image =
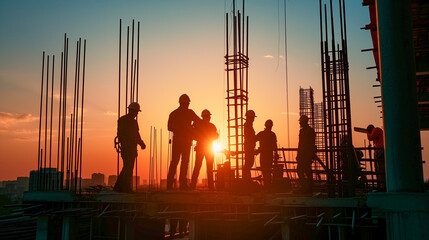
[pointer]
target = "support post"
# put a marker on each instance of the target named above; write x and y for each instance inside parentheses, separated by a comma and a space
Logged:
(404, 171)
(69, 231)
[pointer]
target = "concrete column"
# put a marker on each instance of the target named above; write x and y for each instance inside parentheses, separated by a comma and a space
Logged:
(285, 230)
(404, 171)
(69, 230)
(42, 232)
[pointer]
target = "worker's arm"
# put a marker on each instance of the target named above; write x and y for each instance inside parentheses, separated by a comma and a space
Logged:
(194, 116)
(171, 122)
(140, 141)
(373, 135)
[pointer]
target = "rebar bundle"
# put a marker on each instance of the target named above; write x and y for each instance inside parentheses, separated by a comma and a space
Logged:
(67, 172)
(237, 65)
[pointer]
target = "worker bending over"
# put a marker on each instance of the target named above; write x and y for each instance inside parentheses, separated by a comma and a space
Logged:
(375, 134)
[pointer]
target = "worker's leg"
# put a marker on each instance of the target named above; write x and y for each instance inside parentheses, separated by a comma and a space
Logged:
(301, 175)
(249, 160)
(183, 180)
(266, 171)
(124, 182)
(175, 157)
(198, 162)
(309, 175)
(209, 165)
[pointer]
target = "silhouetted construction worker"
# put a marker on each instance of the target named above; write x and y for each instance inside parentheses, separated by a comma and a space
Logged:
(306, 154)
(180, 123)
(268, 150)
(129, 137)
(249, 144)
(205, 134)
(376, 135)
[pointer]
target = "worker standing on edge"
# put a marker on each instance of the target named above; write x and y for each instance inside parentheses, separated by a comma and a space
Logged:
(376, 135)
(180, 123)
(129, 137)
(249, 145)
(306, 154)
(205, 134)
(268, 150)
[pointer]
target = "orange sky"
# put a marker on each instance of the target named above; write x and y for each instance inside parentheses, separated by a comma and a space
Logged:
(182, 49)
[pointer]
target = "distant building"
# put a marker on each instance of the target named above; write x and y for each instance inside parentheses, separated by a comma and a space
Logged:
(15, 189)
(47, 179)
(112, 180)
(98, 179)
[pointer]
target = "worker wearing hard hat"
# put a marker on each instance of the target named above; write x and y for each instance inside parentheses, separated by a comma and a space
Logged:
(249, 144)
(129, 137)
(205, 134)
(268, 150)
(180, 123)
(306, 154)
(376, 135)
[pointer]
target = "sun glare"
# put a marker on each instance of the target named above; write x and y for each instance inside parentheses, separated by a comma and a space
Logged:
(217, 147)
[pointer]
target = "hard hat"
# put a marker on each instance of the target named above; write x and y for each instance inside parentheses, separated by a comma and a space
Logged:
(205, 112)
(250, 113)
(134, 106)
(269, 123)
(184, 99)
(303, 118)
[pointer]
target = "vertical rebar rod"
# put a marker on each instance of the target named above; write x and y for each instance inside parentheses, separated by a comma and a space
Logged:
(155, 140)
(287, 82)
(132, 62)
(235, 97)
(227, 81)
(50, 130)
(160, 160)
(69, 155)
(138, 60)
(78, 173)
(126, 72)
(59, 118)
(39, 159)
(134, 82)
(336, 110)
(119, 88)
(46, 122)
(73, 126)
(150, 157)
(64, 108)
(81, 116)
(76, 118)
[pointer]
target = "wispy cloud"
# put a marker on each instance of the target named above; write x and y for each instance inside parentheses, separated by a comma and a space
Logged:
(7, 119)
(268, 56)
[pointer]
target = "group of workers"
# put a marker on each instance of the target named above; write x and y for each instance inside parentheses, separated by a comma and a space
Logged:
(188, 126)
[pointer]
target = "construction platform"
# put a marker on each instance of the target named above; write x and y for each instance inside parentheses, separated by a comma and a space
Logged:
(196, 214)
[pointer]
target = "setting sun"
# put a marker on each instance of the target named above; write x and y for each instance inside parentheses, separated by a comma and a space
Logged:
(217, 147)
